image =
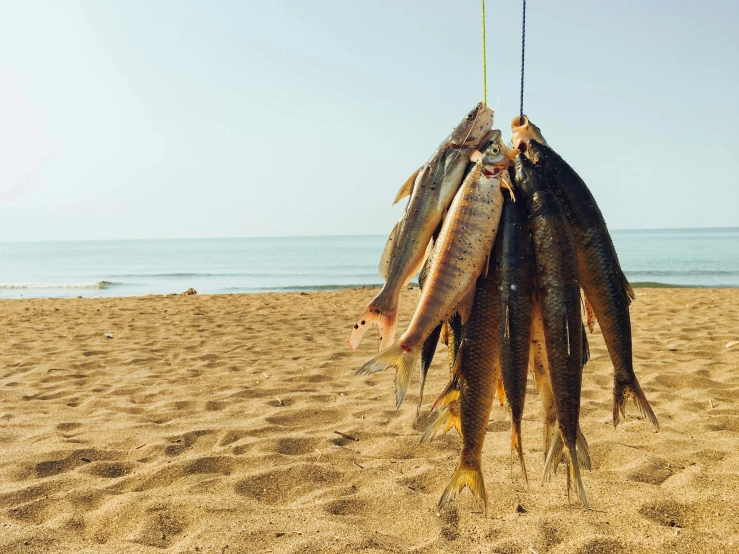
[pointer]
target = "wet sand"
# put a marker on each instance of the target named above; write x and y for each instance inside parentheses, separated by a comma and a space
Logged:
(209, 424)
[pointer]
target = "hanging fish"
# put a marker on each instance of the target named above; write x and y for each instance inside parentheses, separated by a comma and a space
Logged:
(606, 288)
(515, 263)
(539, 365)
(431, 193)
(559, 294)
(459, 257)
(477, 371)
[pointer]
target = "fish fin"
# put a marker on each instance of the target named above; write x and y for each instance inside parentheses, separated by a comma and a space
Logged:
(572, 458)
(590, 313)
(372, 316)
(628, 291)
(500, 390)
(573, 467)
(505, 182)
(400, 357)
(407, 188)
(448, 418)
(516, 445)
(554, 455)
(427, 356)
(621, 393)
(585, 346)
(548, 434)
(583, 450)
(447, 396)
(451, 391)
(445, 333)
(465, 305)
(465, 477)
(458, 360)
(387, 253)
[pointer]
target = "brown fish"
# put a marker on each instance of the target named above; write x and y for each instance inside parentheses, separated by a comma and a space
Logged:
(606, 288)
(478, 370)
(539, 366)
(559, 293)
(460, 255)
(514, 261)
(433, 189)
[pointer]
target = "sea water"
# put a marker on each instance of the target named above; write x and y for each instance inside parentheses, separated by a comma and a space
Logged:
(686, 257)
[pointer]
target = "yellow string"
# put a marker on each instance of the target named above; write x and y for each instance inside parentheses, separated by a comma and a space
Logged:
(484, 60)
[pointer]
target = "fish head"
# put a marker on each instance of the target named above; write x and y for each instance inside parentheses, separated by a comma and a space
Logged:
(523, 132)
(495, 153)
(473, 128)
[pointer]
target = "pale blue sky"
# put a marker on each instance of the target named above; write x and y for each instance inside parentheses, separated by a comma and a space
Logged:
(139, 119)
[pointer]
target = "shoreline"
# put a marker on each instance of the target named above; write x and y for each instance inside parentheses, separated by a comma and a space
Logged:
(321, 289)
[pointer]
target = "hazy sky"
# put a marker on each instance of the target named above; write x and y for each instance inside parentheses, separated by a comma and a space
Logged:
(138, 119)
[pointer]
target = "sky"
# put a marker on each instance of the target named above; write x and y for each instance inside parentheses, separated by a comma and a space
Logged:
(131, 119)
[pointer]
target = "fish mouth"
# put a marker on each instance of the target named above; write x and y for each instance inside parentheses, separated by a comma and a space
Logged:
(519, 126)
(519, 121)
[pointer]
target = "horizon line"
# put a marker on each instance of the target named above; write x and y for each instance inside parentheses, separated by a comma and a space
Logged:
(634, 230)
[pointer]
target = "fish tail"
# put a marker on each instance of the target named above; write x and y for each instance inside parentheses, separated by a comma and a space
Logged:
(444, 422)
(374, 316)
(447, 396)
(583, 450)
(402, 358)
(554, 455)
(518, 446)
(549, 433)
(451, 391)
(465, 477)
(573, 475)
(621, 393)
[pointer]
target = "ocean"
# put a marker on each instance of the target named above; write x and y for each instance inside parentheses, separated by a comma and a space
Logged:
(681, 257)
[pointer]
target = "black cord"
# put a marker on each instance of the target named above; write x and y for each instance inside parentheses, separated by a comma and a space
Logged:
(523, 59)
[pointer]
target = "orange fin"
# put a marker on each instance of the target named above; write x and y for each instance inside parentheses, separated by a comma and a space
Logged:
(446, 420)
(465, 477)
(373, 317)
(402, 360)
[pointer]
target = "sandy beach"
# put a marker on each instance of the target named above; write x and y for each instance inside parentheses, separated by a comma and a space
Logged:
(212, 424)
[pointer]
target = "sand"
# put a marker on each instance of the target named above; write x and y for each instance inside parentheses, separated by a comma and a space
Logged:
(208, 424)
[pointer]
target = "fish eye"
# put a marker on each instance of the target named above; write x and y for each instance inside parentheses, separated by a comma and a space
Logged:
(470, 116)
(496, 150)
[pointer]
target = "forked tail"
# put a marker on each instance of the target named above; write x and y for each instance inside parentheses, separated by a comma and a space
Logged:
(555, 442)
(372, 316)
(403, 359)
(447, 396)
(465, 477)
(622, 392)
(557, 450)
(448, 418)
